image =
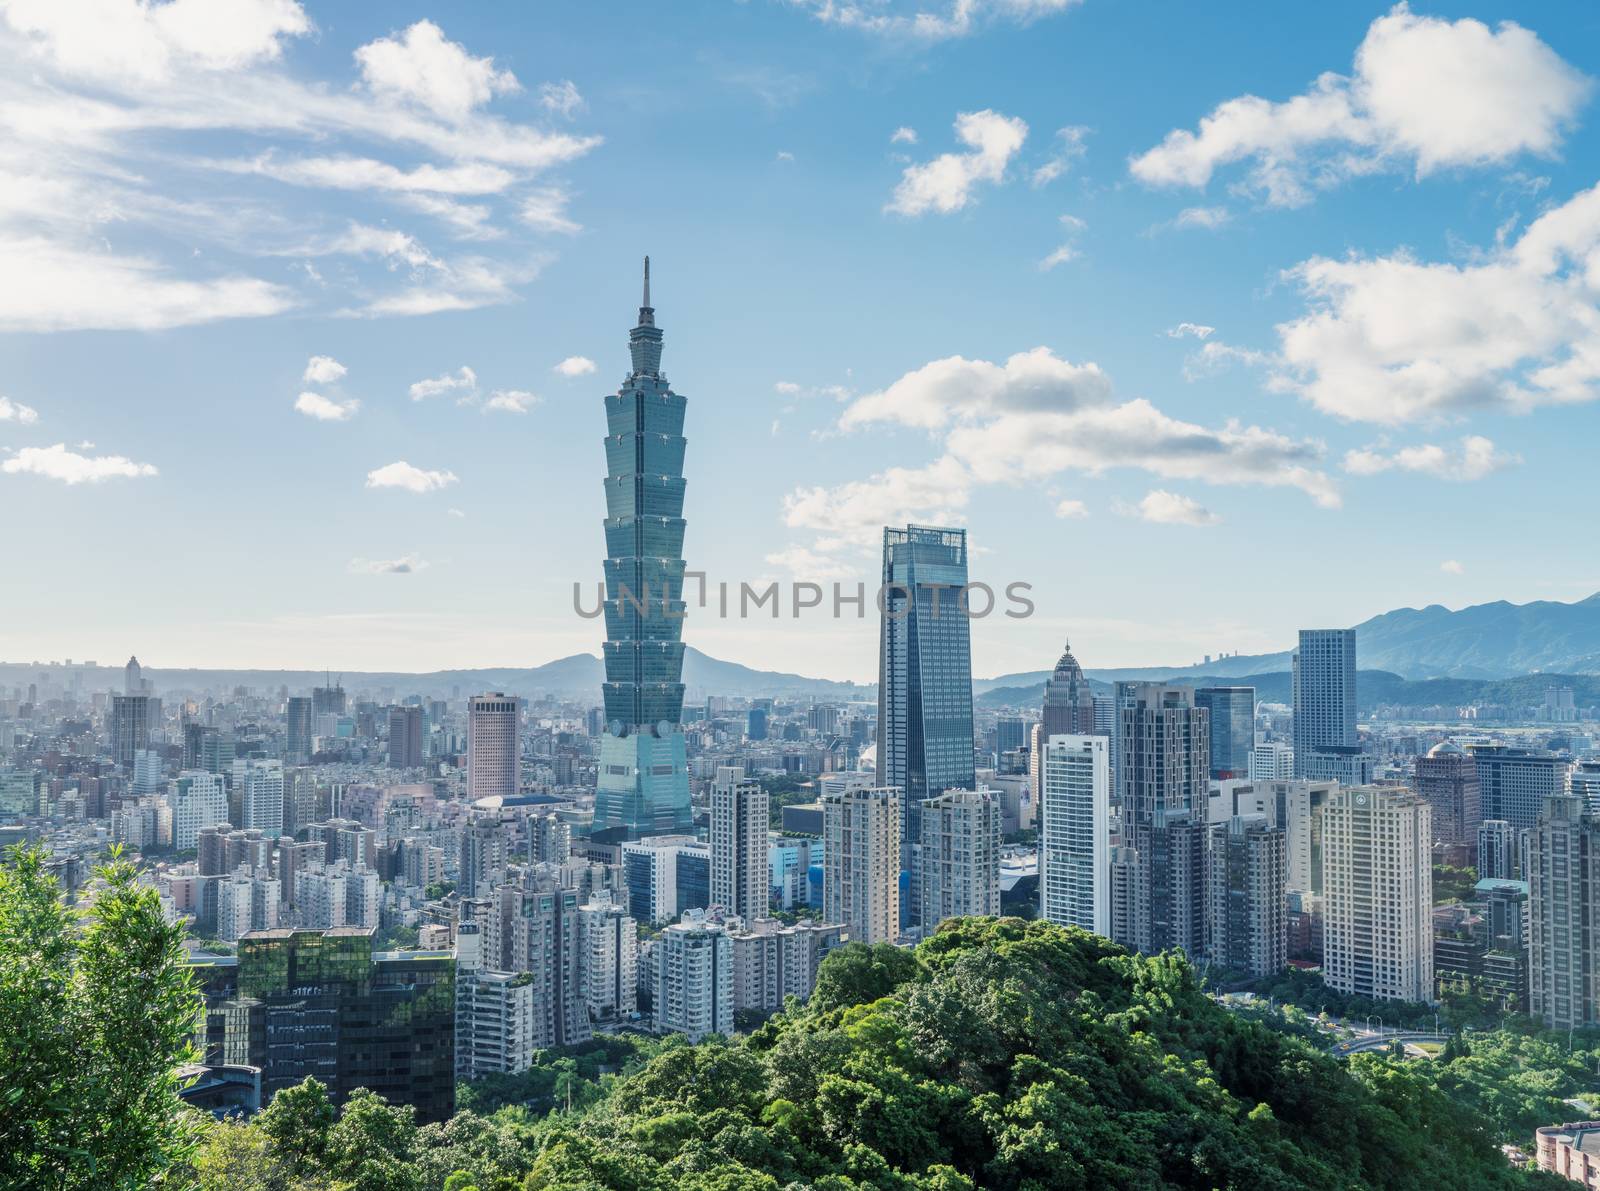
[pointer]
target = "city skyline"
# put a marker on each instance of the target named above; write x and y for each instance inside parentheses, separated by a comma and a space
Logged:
(358, 318)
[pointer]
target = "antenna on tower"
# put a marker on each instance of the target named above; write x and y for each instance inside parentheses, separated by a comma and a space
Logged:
(646, 282)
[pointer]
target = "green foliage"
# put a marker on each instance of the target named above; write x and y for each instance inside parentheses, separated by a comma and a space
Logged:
(856, 974)
(1453, 884)
(580, 1070)
(297, 1123)
(96, 1016)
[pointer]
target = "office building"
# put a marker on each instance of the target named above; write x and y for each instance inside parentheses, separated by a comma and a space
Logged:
(755, 723)
(198, 800)
(133, 677)
(494, 1012)
(644, 772)
(1246, 925)
(959, 857)
(297, 730)
(861, 868)
(406, 738)
(694, 979)
(1164, 757)
(665, 875)
(739, 822)
(1377, 872)
(1583, 783)
(1075, 832)
(608, 948)
(1233, 728)
(1500, 851)
(259, 786)
(1326, 744)
(1448, 778)
(328, 700)
(131, 723)
(925, 736)
(1564, 904)
(772, 961)
(1271, 761)
(1514, 783)
(494, 751)
(1068, 701)
(149, 773)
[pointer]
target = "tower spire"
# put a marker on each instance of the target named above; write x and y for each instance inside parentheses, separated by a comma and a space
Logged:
(646, 303)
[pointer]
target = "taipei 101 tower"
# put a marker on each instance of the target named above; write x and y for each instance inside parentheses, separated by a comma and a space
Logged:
(644, 776)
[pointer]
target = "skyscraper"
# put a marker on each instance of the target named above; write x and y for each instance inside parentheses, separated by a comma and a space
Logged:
(494, 753)
(1326, 746)
(1246, 919)
(260, 789)
(925, 740)
(1233, 728)
(130, 727)
(297, 730)
(861, 866)
(1564, 888)
(1515, 782)
(1448, 778)
(405, 737)
(1068, 701)
(1075, 832)
(959, 857)
(739, 820)
(1164, 756)
(643, 785)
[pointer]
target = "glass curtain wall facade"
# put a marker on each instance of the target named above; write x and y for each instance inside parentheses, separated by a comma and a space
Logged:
(1233, 728)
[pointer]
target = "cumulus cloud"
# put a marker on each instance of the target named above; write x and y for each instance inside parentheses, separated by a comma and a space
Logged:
(1424, 94)
(322, 370)
(857, 510)
(1206, 217)
(1069, 510)
(324, 409)
(1216, 356)
(1474, 458)
(787, 387)
(15, 411)
(1393, 339)
(1170, 508)
(412, 479)
(561, 98)
(575, 366)
(423, 67)
(910, 20)
(463, 381)
(946, 184)
(407, 564)
(510, 401)
(69, 467)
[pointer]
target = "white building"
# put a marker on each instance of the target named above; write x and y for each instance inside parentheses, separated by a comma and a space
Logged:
(1272, 761)
(494, 1013)
(494, 751)
(694, 979)
(650, 871)
(608, 951)
(1378, 876)
(198, 799)
(861, 871)
(739, 823)
(149, 772)
(959, 857)
(246, 902)
(772, 961)
(143, 823)
(260, 786)
(1075, 833)
(337, 895)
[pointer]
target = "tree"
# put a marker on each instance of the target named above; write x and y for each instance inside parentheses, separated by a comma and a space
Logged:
(238, 1157)
(298, 1121)
(857, 974)
(97, 1013)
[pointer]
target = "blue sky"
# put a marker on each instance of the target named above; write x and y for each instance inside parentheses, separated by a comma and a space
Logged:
(1202, 368)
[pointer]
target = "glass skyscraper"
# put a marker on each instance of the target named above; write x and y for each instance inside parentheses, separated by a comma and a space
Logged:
(1326, 746)
(924, 674)
(644, 776)
(1233, 728)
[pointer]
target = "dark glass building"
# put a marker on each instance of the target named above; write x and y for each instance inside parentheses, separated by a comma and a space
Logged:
(643, 786)
(1233, 728)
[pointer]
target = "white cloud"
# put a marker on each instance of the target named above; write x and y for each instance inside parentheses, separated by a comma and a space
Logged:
(69, 467)
(946, 183)
(1071, 148)
(561, 98)
(1425, 94)
(365, 173)
(463, 381)
(511, 401)
(546, 211)
(787, 387)
(323, 409)
(1475, 458)
(322, 370)
(56, 286)
(456, 513)
(1451, 567)
(1206, 217)
(857, 510)
(902, 136)
(1068, 250)
(1216, 356)
(412, 479)
(1170, 508)
(911, 22)
(15, 411)
(784, 155)
(1392, 339)
(425, 68)
(1198, 330)
(958, 389)
(408, 564)
(575, 366)
(1071, 509)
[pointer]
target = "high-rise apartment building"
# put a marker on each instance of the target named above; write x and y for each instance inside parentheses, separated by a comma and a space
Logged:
(1164, 757)
(608, 942)
(406, 738)
(1583, 783)
(494, 1012)
(959, 857)
(1246, 913)
(643, 784)
(198, 800)
(1564, 906)
(1075, 832)
(132, 721)
(1326, 744)
(1448, 778)
(1271, 761)
(259, 786)
(297, 730)
(494, 750)
(739, 823)
(533, 927)
(772, 961)
(925, 736)
(694, 979)
(861, 867)
(246, 901)
(1514, 783)
(1500, 851)
(1377, 870)
(1233, 728)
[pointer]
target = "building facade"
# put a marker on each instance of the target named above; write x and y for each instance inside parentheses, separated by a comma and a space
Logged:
(739, 821)
(1324, 681)
(494, 750)
(1515, 783)
(694, 979)
(1564, 906)
(1246, 908)
(1448, 778)
(958, 857)
(1233, 728)
(1075, 832)
(861, 867)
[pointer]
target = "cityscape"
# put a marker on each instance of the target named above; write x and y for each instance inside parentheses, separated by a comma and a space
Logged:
(751, 879)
